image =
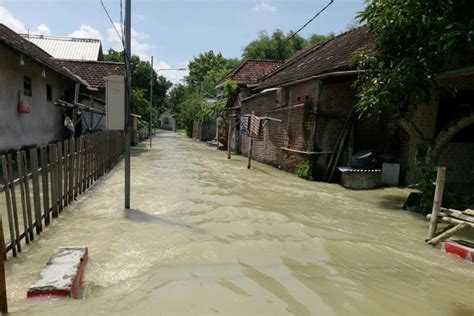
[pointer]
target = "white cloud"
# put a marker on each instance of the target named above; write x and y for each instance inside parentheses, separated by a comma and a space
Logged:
(175, 76)
(264, 7)
(138, 41)
(43, 29)
(86, 31)
(7, 18)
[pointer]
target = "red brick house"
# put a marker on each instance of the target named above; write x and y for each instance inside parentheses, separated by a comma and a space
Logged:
(246, 76)
(312, 95)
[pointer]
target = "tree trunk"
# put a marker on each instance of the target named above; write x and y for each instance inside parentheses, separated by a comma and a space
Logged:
(447, 134)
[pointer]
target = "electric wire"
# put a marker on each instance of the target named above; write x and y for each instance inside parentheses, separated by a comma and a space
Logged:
(310, 20)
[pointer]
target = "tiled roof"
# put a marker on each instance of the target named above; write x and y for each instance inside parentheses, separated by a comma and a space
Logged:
(250, 70)
(68, 47)
(93, 72)
(332, 55)
(16, 42)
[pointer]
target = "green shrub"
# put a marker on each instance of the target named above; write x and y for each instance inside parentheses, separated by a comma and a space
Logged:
(303, 170)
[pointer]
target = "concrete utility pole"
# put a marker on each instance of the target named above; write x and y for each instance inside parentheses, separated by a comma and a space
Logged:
(128, 95)
(151, 102)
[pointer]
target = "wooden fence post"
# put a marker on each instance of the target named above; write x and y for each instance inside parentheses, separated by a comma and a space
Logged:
(437, 201)
(36, 189)
(66, 172)
(249, 153)
(54, 190)
(21, 178)
(9, 206)
(14, 205)
(59, 156)
(3, 287)
(72, 165)
(45, 182)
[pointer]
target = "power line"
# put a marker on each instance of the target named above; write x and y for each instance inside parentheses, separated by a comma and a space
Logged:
(112, 22)
(311, 20)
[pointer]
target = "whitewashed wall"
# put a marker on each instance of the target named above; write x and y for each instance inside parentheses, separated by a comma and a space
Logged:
(45, 121)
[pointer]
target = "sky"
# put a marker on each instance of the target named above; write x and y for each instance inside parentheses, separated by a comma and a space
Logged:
(174, 31)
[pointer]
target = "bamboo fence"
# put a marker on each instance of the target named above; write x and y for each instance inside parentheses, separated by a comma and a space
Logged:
(40, 182)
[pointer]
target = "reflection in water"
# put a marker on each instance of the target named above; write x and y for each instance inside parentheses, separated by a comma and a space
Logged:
(208, 236)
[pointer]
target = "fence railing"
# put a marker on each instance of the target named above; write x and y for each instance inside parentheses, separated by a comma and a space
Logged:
(39, 183)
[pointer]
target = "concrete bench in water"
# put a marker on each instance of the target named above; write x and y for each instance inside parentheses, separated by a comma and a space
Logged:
(62, 276)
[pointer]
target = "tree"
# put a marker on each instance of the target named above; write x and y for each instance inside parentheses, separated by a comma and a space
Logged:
(416, 40)
(277, 46)
(317, 38)
(210, 65)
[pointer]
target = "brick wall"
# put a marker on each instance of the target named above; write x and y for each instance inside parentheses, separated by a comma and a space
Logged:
(292, 106)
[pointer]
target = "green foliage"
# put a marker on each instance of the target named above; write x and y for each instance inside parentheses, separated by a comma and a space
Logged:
(426, 186)
(208, 68)
(317, 38)
(277, 46)
(415, 41)
(303, 170)
(229, 88)
(190, 101)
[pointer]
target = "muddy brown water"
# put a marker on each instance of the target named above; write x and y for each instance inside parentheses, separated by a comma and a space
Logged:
(207, 236)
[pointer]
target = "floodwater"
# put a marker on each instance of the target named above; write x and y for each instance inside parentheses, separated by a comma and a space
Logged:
(207, 236)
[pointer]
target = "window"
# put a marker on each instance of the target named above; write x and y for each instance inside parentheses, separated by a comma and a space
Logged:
(27, 88)
(49, 93)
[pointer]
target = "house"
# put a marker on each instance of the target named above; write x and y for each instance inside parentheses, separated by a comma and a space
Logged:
(167, 121)
(31, 80)
(93, 72)
(312, 98)
(246, 76)
(67, 47)
(205, 130)
(39, 92)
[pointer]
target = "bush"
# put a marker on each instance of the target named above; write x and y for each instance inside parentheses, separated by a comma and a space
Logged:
(303, 170)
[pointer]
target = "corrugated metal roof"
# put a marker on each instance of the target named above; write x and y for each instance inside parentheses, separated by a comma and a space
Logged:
(68, 47)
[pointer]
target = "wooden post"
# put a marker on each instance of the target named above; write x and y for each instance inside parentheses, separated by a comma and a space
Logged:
(437, 201)
(66, 173)
(36, 189)
(229, 138)
(21, 178)
(14, 205)
(3, 287)
(249, 163)
(45, 183)
(72, 166)
(54, 191)
(9, 206)
(59, 176)
(28, 195)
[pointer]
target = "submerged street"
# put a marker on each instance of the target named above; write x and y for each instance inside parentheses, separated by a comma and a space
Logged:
(208, 236)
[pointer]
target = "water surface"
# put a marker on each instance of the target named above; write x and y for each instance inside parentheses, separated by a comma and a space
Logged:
(208, 236)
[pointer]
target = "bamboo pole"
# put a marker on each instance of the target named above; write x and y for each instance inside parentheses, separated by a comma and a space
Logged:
(445, 235)
(437, 201)
(450, 220)
(3, 287)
